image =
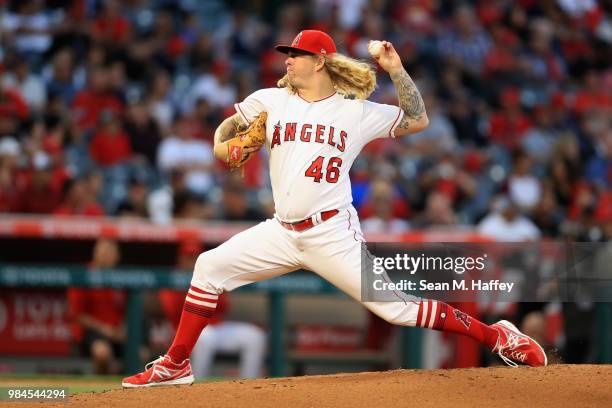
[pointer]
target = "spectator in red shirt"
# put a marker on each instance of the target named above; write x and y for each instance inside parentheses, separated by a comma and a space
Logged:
(110, 144)
(13, 110)
(10, 151)
(110, 27)
(95, 99)
(97, 314)
(501, 61)
(508, 125)
(78, 200)
(594, 95)
(39, 195)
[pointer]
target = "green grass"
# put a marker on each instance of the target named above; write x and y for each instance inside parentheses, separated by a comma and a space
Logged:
(60, 377)
(76, 384)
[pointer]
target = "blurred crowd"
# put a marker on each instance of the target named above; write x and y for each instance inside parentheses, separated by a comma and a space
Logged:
(109, 107)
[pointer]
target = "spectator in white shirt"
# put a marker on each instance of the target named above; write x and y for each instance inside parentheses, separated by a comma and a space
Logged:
(31, 86)
(506, 224)
(160, 101)
(216, 88)
(195, 157)
(523, 187)
(30, 26)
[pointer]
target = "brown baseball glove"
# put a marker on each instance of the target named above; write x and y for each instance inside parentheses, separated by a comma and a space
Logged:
(250, 140)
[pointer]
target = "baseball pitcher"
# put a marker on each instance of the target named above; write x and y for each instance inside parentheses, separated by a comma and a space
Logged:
(314, 124)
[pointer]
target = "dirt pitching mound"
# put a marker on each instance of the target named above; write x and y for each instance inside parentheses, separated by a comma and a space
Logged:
(552, 386)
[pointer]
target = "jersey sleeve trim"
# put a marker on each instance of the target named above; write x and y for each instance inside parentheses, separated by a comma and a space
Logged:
(242, 115)
(396, 123)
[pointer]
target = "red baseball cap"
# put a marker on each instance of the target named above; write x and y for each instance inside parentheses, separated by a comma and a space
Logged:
(312, 41)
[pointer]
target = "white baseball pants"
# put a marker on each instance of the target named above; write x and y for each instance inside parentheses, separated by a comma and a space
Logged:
(331, 249)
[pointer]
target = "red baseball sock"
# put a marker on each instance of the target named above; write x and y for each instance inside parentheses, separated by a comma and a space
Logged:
(199, 307)
(440, 316)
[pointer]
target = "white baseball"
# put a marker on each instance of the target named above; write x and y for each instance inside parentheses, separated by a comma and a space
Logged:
(375, 48)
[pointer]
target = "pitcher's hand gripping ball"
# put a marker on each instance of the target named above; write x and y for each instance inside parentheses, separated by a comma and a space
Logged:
(250, 140)
(375, 48)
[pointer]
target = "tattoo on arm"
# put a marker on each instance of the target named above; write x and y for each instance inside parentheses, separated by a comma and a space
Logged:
(228, 128)
(410, 99)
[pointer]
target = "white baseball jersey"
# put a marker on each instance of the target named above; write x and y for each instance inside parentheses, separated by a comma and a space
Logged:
(312, 146)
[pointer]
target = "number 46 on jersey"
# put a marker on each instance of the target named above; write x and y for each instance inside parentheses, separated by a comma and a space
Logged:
(331, 172)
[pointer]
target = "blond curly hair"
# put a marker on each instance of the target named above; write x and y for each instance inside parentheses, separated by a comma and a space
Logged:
(351, 78)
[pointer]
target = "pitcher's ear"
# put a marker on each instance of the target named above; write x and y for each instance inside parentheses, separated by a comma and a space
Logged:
(320, 64)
